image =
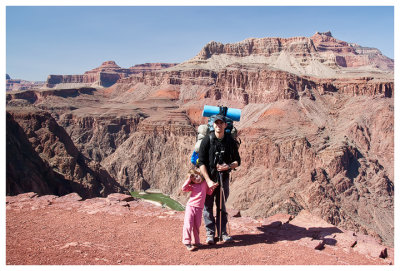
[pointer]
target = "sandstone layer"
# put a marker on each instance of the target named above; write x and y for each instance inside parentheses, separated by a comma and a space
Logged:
(316, 129)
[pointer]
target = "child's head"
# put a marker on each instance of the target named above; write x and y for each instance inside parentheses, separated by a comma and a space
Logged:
(195, 176)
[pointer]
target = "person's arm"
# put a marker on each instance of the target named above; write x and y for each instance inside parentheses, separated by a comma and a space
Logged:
(234, 164)
(203, 160)
(236, 157)
(209, 190)
(186, 187)
(203, 151)
(212, 185)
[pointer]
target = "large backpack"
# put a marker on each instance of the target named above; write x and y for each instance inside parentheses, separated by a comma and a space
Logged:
(204, 130)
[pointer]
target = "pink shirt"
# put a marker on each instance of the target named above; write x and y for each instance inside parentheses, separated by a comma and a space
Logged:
(198, 195)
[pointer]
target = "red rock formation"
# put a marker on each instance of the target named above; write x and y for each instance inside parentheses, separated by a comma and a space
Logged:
(351, 55)
(264, 46)
(104, 76)
(325, 42)
(320, 56)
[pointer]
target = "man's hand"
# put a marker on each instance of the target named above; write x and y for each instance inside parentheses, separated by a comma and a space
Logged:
(223, 167)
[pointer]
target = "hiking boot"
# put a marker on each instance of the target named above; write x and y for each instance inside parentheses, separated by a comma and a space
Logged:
(189, 247)
(227, 239)
(210, 240)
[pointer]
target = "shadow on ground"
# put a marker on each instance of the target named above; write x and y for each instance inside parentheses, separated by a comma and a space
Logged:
(272, 234)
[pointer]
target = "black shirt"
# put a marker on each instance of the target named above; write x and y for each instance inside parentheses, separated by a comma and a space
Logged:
(210, 145)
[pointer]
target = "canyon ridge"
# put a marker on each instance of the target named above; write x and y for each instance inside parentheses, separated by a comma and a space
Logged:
(317, 129)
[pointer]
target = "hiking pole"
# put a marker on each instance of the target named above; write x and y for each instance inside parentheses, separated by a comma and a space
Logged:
(219, 157)
(221, 191)
(227, 220)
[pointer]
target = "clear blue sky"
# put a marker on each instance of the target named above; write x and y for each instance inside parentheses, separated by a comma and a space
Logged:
(71, 40)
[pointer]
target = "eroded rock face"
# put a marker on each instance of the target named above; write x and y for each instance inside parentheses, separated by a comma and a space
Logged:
(59, 157)
(26, 170)
(98, 137)
(315, 137)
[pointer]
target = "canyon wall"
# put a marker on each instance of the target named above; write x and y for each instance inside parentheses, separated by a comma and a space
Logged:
(51, 152)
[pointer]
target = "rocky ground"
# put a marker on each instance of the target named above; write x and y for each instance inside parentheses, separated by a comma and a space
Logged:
(118, 230)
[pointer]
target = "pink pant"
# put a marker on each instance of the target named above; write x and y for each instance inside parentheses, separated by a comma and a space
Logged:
(193, 216)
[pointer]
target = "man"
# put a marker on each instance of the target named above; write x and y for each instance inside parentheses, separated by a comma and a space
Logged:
(218, 154)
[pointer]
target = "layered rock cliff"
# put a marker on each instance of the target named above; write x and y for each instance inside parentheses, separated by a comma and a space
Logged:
(320, 56)
(317, 127)
(104, 76)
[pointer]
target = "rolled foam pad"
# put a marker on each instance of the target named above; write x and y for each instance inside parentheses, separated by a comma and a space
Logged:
(231, 113)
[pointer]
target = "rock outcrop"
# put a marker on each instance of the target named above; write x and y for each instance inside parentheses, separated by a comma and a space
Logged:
(104, 76)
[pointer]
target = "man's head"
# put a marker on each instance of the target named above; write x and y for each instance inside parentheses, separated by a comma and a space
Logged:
(219, 124)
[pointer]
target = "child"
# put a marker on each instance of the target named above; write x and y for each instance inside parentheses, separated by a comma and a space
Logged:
(194, 207)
